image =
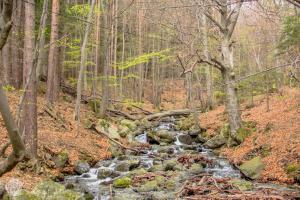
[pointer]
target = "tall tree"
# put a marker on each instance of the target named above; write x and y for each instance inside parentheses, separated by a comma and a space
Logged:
(53, 72)
(18, 149)
(29, 75)
(82, 60)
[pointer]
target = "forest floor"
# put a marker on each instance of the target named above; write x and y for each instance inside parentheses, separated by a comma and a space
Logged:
(278, 132)
(54, 137)
(277, 135)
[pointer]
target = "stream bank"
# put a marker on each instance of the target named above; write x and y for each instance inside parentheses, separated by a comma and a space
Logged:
(176, 165)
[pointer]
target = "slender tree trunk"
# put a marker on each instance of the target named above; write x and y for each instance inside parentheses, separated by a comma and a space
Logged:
(52, 78)
(6, 62)
(17, 44)
(82, 61)
(43, 23)
(30, 100)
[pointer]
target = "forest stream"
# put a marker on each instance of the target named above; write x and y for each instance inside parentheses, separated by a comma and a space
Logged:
(164, 171)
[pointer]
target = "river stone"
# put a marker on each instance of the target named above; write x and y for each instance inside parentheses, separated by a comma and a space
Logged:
(122, 167)
(138, 172)
(200, 139)
(185, 139)
(149, 186)
(215, 142)
(166, 136)
(81, 167)
(195, 168)
(153, 138)
(166, 149)
(242, 185)
(162, 195)
(123, 182)
(252, 168)
(105, 173)
(160, 180)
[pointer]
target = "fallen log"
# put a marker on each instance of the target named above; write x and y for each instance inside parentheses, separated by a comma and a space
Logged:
(182, 112)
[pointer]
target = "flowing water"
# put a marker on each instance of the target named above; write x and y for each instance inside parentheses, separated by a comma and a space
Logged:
(101, 188)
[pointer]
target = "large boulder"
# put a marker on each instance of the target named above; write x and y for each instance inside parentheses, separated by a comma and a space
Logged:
(166, 136)
(252, 168)
(215, 142)
(45, 189)
(185, 139)
(81, 167)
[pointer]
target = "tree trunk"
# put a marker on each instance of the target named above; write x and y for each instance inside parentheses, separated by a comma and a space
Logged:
(30, 100)
(52, 80)
(82, 62)
(6, 62)
(17, 44)
(43, 24)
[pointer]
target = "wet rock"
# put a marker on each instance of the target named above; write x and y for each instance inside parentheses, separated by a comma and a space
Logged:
(195, 169)
(106, 173)
(185, 139)
(103, 163)
(153, 138)
(115, 151)
(86, 175)
(200, 139)
(169, 165)
(122, 167)
(242, 185)
(123, 182)
(215, 142)
(166, 136)
(167, 149)
(149, 186)
(189, 147)
(61, 159)
(81, 167)
(123, 157)
(252, 168)
(134, 163)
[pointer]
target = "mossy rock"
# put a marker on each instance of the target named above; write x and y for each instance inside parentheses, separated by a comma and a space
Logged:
(225, 130)
(195, 168)
(170, 185)
(242, 185)
(156, 168)
(293, 170)
(215, 142)
(138, 172)
(25, 195)
(252, 168)
(123, 182)
(149, 186)
(169, 165)
(160, 180)
(46, 189)
(186, 124)
(128, 123)
(67, 195)
(62, 159)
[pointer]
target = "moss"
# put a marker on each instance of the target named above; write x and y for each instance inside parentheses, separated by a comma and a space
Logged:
(67, 195)
(122, 182)
(149, 186)
(293, 170)
(24, 195)
(225, 130)
(62, 158)
(242, 184)
(242, 134)
(160, 180)
(186, 124)
(47, 188)
(252, 168)
(170, 185)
